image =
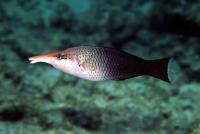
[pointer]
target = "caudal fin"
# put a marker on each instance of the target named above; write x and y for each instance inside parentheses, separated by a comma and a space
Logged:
(160, 69)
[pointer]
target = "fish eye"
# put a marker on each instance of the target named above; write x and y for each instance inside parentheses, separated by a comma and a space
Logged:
(61, 56)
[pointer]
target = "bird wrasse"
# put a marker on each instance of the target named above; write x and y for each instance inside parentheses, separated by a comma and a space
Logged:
(101, 63)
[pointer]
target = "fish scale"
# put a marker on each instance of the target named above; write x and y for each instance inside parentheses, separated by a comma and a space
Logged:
(107, 64)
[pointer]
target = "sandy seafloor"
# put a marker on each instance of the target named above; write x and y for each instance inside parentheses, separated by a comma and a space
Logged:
(38, 99)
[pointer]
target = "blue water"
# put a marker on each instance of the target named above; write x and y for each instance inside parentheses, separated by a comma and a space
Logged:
(79, 6)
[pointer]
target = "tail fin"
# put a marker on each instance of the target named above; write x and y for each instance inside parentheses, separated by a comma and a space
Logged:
(161, 69)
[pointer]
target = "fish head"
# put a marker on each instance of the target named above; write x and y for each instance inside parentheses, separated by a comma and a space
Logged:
(64, 61)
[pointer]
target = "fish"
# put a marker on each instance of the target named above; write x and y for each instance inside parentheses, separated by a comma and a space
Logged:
(104, 63)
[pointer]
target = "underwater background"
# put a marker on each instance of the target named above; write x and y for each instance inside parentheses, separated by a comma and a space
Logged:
(42, 100)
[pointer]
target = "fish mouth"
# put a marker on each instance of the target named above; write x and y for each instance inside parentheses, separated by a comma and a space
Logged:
(36, 59)
(42, 58)
(33, 60)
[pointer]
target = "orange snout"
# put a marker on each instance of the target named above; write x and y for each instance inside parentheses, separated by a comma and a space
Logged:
(43, 58)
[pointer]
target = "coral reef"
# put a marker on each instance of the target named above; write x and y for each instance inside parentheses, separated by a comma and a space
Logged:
(39, 99)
